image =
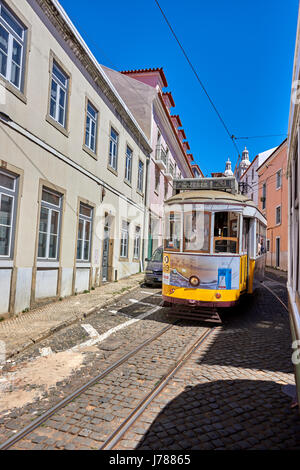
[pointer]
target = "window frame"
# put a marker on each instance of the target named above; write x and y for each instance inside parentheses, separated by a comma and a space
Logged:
(23, 43)
(170, 249)
(87, 147)
(85, 219)
(137, 243)
(140, 182)
(276, 222)
(128, 158)
(122, 244)
(50, 208)
(12, 193)
(115, 144)
(64, 129)
(264, 195)
(279, 174)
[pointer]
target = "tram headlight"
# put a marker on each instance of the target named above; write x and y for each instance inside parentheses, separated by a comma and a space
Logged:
(194, 281)
(218, 296)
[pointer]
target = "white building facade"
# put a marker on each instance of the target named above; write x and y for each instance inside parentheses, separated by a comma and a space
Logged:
(73, 163)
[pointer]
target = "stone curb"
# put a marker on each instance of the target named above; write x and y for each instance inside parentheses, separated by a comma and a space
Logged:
(54, 329)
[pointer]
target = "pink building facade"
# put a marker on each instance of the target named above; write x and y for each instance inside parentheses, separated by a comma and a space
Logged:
(143, 92)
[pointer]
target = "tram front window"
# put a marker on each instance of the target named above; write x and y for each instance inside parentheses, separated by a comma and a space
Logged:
(173, 231)
(226, 232)
(197, 231)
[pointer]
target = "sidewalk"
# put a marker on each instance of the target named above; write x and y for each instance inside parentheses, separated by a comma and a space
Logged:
(29, 328)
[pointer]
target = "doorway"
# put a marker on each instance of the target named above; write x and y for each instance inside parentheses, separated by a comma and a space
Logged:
(277, 252)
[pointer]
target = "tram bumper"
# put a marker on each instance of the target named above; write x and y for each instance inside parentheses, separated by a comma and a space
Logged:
(197, 298)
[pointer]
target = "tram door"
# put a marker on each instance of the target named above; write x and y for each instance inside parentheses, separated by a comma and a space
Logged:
(245, 255)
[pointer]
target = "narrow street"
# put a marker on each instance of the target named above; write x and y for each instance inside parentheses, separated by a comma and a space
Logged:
(227, 395)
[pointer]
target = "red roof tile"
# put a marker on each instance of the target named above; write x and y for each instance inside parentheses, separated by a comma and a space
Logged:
(160, 70)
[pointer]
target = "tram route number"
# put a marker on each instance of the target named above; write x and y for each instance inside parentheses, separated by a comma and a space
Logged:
(154, 461)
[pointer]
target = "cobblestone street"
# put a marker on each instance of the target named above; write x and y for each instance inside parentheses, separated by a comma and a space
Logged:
(228, 395)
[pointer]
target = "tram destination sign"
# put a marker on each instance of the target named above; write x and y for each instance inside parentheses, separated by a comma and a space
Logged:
(218, 184)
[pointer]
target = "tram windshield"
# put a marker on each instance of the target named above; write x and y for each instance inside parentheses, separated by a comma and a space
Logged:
(196, 230)
(226, 232)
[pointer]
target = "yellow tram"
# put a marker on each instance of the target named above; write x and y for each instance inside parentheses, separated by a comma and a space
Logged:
(214, 244)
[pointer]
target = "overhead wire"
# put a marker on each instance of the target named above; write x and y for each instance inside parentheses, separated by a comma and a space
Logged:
(231, 136)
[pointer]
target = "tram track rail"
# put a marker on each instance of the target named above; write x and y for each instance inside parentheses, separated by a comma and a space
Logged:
(20, 435)
(275, 295)
(123, 428)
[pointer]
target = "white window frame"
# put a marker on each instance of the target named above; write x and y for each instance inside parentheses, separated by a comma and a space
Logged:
(137, 242)
(278, 207)
(140, 184)
(51, 208)
(124, 242)
(278, 179)
(61, 87)
(128, 164)
(85, 219)
(89, 121)
(113, 149)
(13, 36)
(11, 193)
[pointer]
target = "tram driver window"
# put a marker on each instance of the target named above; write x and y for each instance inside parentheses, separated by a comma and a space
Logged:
(226, 232)
(197, 231)
(173, 231)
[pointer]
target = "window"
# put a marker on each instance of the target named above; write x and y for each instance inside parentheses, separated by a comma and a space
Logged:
(252, 174)
(268, 245)
(226, 232)
(140, 184)
(137, 243)
(124, 239)
(91, 127)
(278, 215)
(128, 164)
(166, 188)
(261, 233)
(278, 179)
(173, 231)
(113, 149)
(196, 230)
(59, 94)
(157, 255)
(50, 216)
(8, 196)
(264, 196)
(12, 47)
(84, 233)
(157, 179)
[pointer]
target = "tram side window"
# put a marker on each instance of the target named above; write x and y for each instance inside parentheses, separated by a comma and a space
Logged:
(261, 235)
(226, 232)
(173, 231)
(197, 231)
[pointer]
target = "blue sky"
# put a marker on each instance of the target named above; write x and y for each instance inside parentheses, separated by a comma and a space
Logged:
(242, 50)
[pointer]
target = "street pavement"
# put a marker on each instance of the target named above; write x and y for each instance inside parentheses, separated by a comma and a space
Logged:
(229, 395)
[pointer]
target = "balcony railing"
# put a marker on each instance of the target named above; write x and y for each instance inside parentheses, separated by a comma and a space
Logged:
(170, 171)
(161, 157)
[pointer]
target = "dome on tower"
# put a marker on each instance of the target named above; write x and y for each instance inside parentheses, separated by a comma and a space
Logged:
(228, 172)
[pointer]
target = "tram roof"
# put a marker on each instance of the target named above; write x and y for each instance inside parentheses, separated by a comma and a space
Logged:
(209, 196)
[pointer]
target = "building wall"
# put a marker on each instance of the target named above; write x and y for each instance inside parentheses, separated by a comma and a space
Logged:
(275, 197)
(66, 167)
